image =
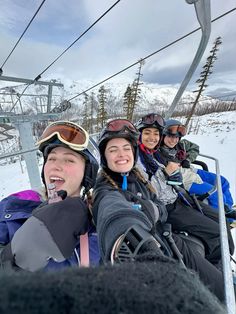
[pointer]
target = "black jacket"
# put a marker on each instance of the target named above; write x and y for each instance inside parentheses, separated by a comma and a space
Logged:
(114, 210)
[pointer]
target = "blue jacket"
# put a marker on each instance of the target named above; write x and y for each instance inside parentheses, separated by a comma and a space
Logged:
(14, 211)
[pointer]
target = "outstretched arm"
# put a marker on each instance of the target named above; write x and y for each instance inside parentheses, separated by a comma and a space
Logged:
(113, 216)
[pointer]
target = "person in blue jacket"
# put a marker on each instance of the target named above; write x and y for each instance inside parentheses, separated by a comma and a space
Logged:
(58, 232)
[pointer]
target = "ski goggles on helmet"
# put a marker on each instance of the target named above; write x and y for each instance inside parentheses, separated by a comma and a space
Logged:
(177, 130)
(153, 118)
(68, 133)
(120, 125)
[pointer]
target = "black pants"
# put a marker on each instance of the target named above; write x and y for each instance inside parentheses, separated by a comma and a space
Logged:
(209, 274)
(204, 226)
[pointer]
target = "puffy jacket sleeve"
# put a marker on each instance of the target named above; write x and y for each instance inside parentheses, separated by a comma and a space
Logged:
(192, 150)
(113, 215)
(164, 192)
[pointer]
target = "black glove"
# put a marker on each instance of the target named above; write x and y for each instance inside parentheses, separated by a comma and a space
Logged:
(133, 242)
(230, 212)
(168, 154)
(150, 209)
(66, 221)
(155, 211)
(185, 163)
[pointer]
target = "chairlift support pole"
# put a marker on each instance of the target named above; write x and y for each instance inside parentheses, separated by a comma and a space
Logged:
(24, 124)
(49, 103)
(26, 138)
(227, 270)
(203, 11)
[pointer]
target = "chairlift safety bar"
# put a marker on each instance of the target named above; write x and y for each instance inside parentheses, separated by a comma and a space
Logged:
(227, 270)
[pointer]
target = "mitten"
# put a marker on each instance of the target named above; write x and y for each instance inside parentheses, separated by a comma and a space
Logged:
(51, 232)
(181, 155)
(65, 221)
(185, 163)
(150, 209)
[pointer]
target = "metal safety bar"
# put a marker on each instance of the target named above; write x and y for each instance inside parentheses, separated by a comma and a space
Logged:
(227, 270)
(20, 152)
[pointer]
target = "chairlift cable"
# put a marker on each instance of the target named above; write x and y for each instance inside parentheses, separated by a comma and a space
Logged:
(39, 76)
(125, 69)
(22, 35)
(150, 55)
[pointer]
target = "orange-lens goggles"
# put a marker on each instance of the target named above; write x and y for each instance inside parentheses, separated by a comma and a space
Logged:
(68, 133)
(120, 124)
(178, 130)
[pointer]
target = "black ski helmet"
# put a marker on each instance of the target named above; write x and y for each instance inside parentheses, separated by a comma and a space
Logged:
(123, 129)
(91, 155)
(174, 127)
(151, 120)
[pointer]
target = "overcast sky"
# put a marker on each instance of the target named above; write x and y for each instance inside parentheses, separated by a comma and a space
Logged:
(130, 31)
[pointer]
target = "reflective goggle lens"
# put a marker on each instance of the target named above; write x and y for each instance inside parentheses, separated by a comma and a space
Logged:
(177, 130)
(152, 119)
(69, 133)
(120, 124)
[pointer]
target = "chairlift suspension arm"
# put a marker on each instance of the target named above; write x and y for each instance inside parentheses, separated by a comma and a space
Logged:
(203, 12)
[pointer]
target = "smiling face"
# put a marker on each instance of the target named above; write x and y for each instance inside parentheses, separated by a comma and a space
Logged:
(171, 140)
(150, 137)
(119, 155)
(65, 168)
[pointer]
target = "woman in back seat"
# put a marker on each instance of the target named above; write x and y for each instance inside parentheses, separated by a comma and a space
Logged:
(183, 213)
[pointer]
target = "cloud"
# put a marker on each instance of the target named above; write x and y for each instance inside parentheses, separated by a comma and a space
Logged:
(130, 31)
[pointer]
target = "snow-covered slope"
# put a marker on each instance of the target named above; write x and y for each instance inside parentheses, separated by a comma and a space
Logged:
(150, 95)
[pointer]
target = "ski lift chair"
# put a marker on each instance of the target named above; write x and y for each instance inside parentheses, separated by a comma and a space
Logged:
(201, 163)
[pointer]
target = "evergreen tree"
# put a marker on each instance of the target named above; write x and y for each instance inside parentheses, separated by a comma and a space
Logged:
(101, 112)
(85, 115)
(204, 75)
(132, 94)
(92, 104)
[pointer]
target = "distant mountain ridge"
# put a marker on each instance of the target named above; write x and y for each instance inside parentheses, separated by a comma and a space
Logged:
(151, 96)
